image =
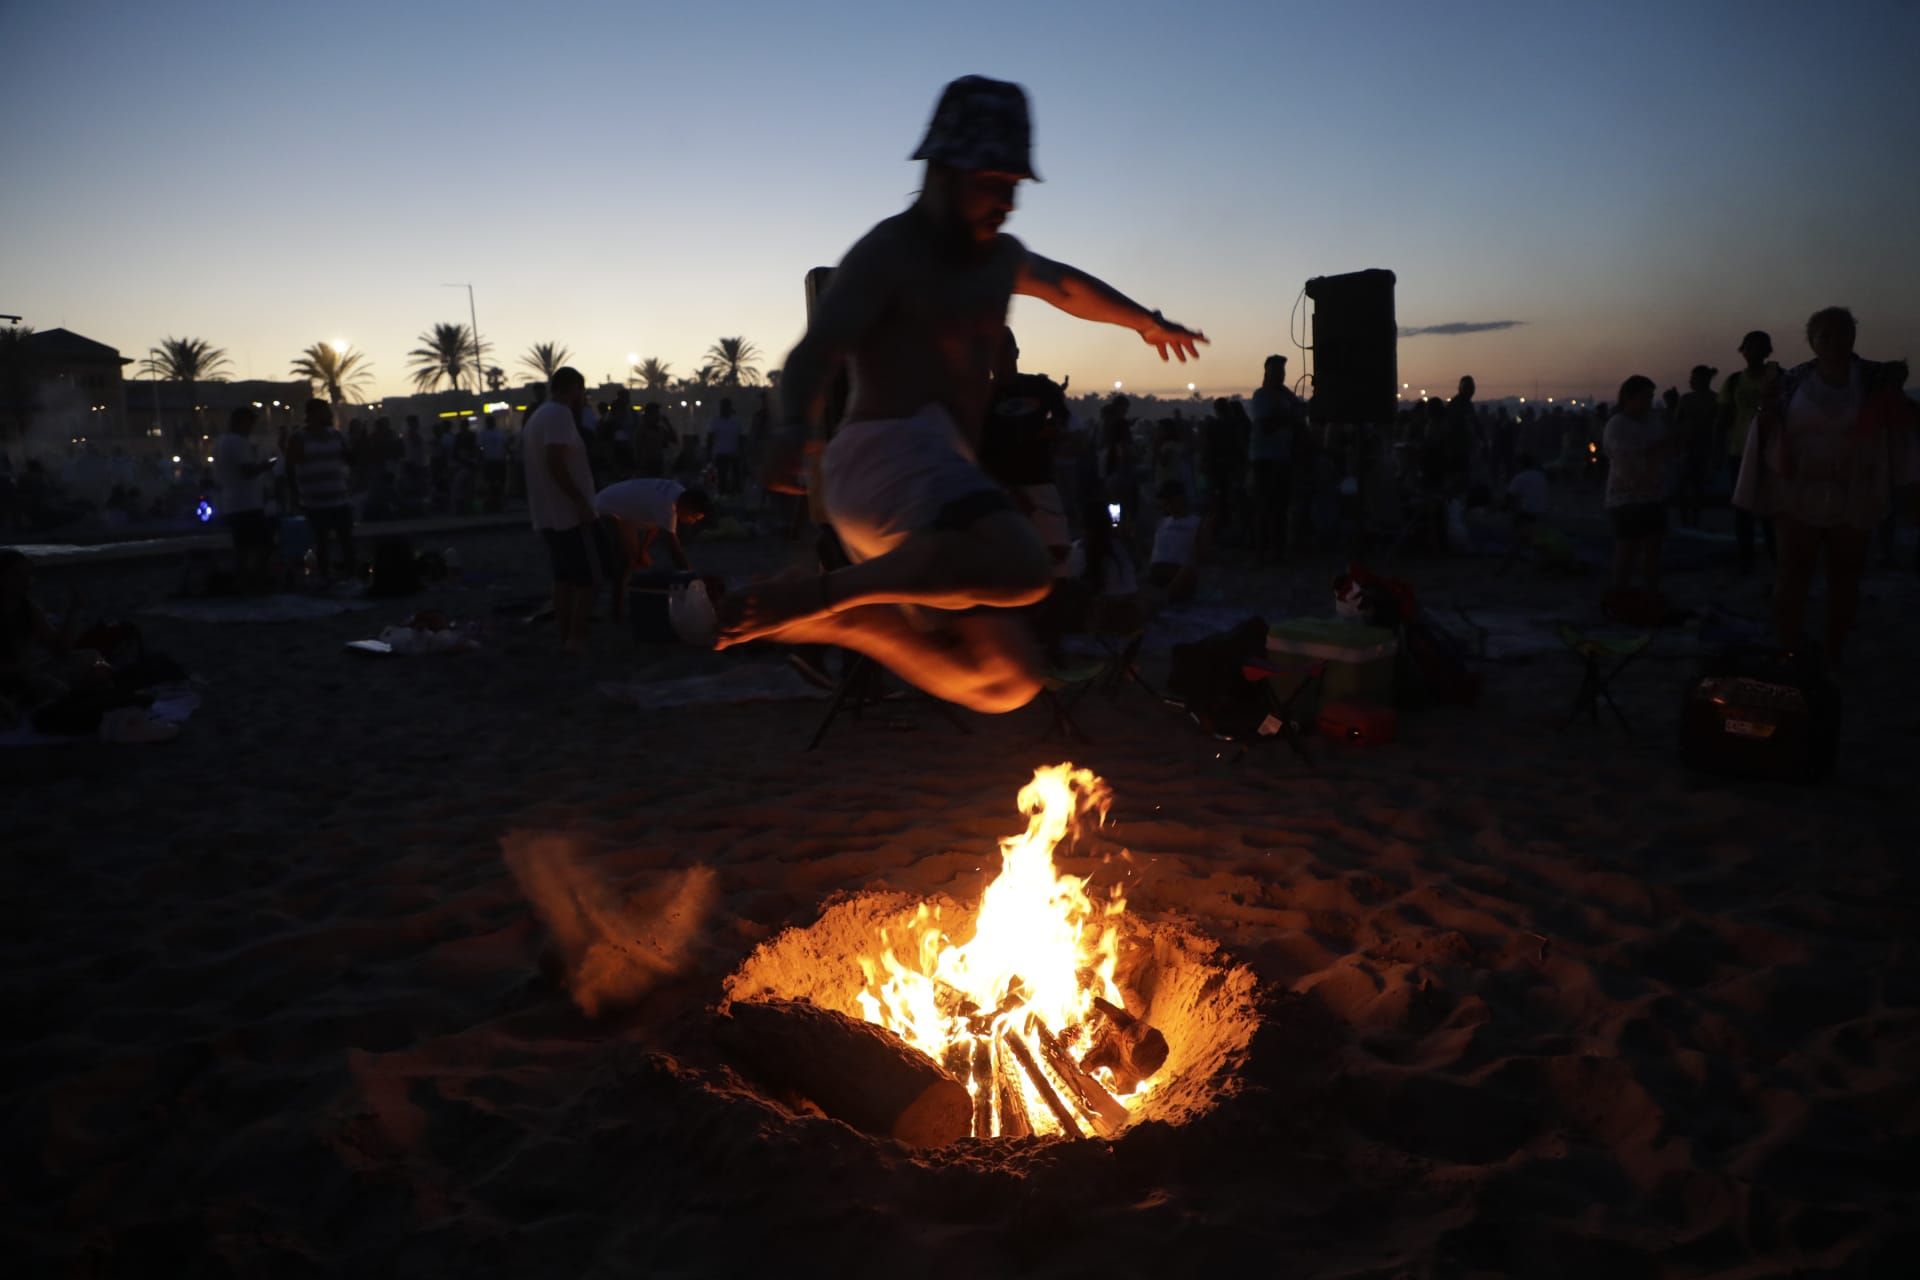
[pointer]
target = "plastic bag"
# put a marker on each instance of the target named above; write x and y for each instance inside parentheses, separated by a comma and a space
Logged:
(692, 614)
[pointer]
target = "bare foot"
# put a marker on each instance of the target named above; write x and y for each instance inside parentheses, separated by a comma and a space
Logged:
(763, 608)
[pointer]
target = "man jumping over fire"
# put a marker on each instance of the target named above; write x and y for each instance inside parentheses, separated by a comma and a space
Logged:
(916, 311)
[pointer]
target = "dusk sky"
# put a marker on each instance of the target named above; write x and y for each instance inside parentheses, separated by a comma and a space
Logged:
(1635, 184)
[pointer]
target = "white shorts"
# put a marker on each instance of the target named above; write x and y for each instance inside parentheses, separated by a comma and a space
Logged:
(893, 477)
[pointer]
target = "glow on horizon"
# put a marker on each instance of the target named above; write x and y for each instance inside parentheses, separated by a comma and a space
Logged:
(1636, 213)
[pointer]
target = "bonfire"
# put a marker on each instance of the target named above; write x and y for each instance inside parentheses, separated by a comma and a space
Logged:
(1025, 1011)
(1043, 1010)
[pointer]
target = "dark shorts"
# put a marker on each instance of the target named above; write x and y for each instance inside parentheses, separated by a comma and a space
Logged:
(1638, 519)
(250, 529)
(324, 520)
(580, 555)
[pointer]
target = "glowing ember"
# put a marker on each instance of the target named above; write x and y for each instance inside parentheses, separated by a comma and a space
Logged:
(1025, 1012)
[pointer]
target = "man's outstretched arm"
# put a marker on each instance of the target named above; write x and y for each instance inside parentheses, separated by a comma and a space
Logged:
(1079, 294)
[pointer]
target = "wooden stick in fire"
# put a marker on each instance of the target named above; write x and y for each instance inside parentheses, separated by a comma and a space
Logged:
(1109, 1117)
(1014, 1121)
(1024, 1056)
(1125, 1045)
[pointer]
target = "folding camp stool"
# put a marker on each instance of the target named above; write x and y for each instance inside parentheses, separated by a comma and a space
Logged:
(1123, 662)
(1602, 662)
(1061, 689)
(1286, 717)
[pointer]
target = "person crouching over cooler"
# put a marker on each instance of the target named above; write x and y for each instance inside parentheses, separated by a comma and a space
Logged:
(642, 516)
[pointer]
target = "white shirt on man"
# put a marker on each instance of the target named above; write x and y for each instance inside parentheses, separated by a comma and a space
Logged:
(725, 434)
(493, 443)
(1528, 489)
(547, 502)
(649, 503)
(233, 460)
(1173, 541)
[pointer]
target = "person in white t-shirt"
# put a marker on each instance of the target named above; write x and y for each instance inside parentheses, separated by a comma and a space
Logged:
(1175, 566)
(1527, 491)
(493, 461)
(242, 478)
(560, 501)
(641, 514)
(723, 447)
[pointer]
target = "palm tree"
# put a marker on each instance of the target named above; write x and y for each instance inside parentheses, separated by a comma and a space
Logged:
(732, 360)
(446, 352)
(496, 377)
(188, 360)
(336, 370)
(655, 375)
(544, 358)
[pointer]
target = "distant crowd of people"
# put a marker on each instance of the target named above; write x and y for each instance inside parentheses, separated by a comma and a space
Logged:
(1820, 459)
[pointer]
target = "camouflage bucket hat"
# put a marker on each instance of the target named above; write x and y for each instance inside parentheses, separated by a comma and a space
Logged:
(981, 124)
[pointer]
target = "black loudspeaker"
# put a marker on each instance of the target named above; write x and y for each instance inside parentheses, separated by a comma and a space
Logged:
(1356, 367)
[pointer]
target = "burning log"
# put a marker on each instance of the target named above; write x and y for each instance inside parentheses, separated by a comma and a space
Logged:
(983, 1081)
(853, 1070)
(1014, 1121)
(1041, 1085)
(1127, 1046)
(1109, 1117)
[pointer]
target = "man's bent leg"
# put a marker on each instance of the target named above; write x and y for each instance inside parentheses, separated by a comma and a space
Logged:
(998, 560)
(986, 662)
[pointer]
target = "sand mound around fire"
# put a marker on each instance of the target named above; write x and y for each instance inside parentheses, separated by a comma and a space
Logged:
(1201, 1002)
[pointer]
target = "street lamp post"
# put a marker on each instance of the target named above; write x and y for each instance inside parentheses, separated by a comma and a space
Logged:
(479, 373)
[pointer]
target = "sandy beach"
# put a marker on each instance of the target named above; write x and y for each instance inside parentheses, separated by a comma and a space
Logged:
(1532, 1000)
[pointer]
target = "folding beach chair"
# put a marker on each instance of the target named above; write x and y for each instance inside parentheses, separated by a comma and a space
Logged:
(1602, 661)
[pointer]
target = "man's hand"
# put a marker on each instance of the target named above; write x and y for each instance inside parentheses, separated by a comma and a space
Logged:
(1162, 333)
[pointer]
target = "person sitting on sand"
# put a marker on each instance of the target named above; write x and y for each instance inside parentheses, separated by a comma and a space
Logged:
(916, 309)
(1175, 566)
(38, 663)
(1100, 593)
(560, 502)
(641, 514)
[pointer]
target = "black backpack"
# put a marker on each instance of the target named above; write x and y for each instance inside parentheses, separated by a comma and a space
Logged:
(1206, 676)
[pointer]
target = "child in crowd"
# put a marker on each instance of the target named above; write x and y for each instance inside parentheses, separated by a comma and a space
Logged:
(1639, 468)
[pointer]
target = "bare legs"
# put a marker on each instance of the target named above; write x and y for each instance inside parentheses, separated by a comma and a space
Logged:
(573, 614)
(1636, 555)
(1799, 548)
(984, 661)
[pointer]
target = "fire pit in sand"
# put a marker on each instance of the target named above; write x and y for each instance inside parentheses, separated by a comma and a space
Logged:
(1045, 1009)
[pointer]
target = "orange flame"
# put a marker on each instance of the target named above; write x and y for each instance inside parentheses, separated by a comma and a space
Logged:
(1042, 950)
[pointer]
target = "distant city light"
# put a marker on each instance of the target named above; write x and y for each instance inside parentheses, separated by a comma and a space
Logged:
(1191, 387)
(176, 457)
(1116, 384)
(633, 357)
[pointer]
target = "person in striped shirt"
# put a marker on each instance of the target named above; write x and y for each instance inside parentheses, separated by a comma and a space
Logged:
(317, 468)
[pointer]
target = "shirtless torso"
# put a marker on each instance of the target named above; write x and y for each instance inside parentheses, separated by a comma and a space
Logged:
(937, 324)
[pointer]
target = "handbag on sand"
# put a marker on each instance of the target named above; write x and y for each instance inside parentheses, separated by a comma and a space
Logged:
(1761, 713)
